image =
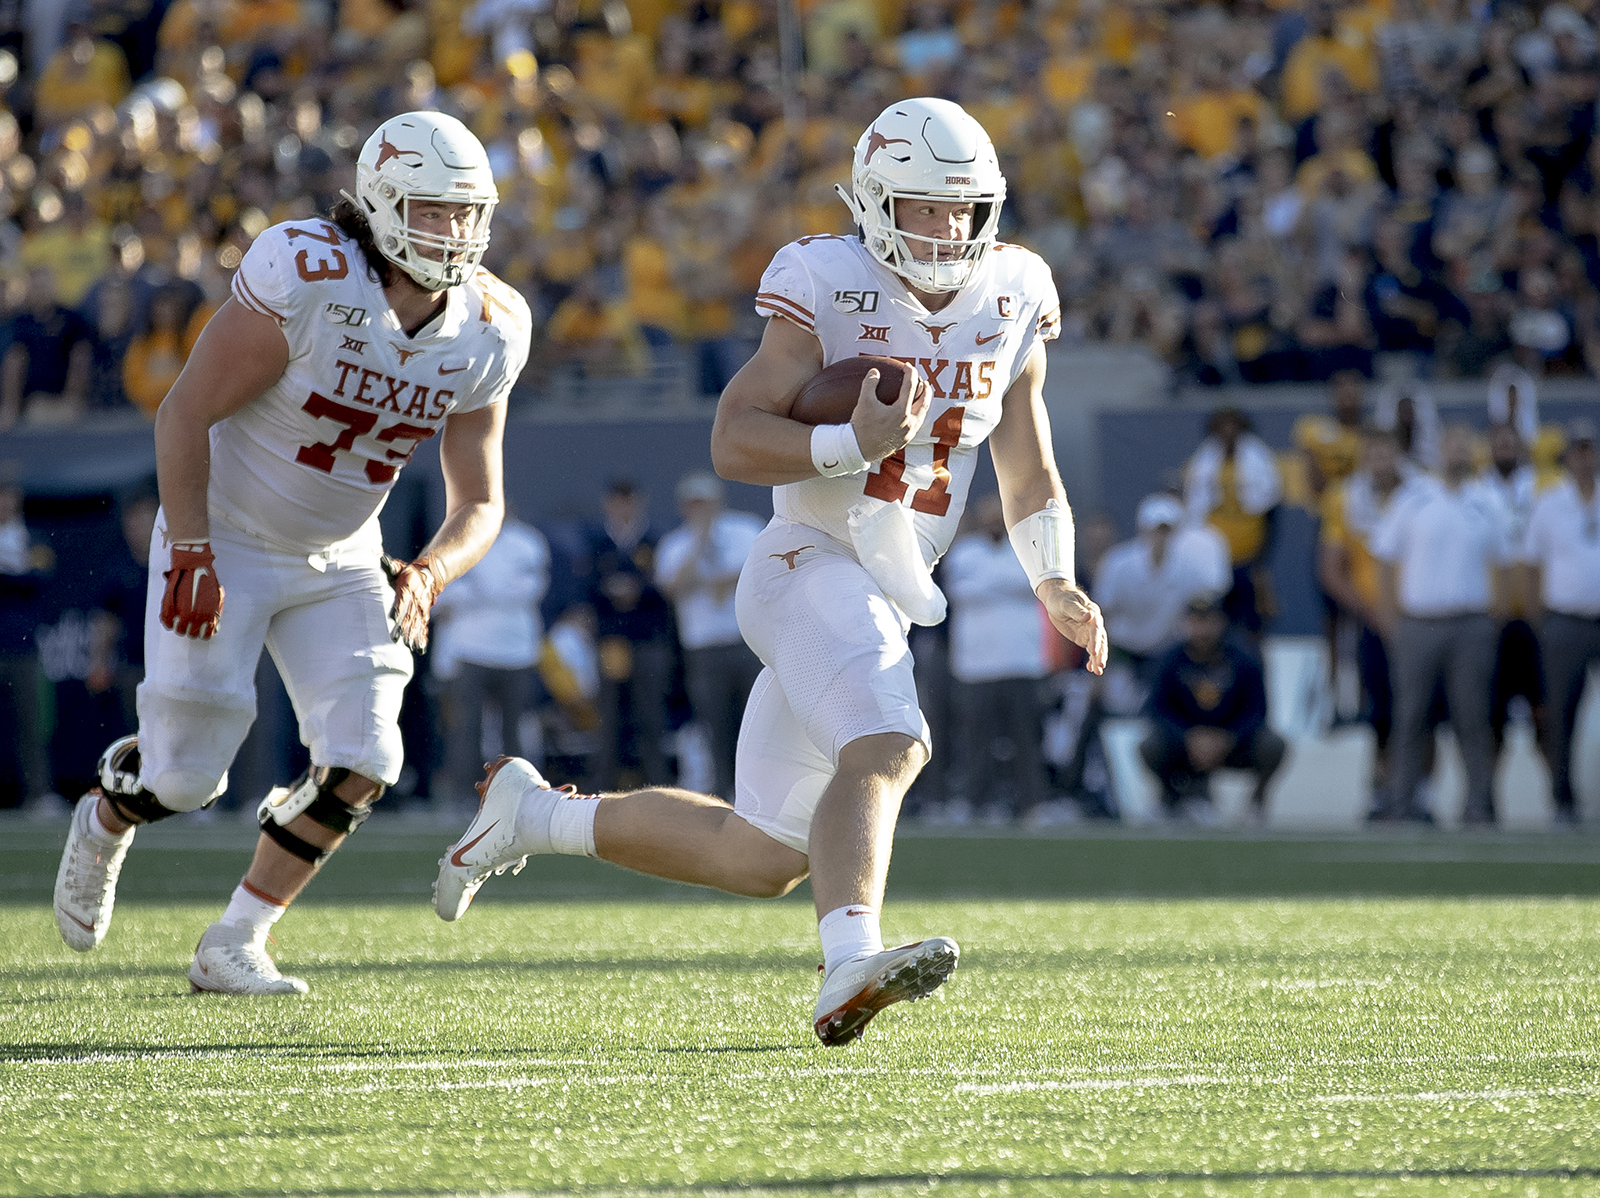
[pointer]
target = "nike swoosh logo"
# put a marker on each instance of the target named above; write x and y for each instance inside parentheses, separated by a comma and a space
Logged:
(87, 927)
(453, 370)
(982, 340)
(830, 465)
(455, 857)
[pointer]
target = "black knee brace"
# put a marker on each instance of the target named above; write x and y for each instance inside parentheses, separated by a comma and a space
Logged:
(312, 796)
(118, 769)
(141, 807)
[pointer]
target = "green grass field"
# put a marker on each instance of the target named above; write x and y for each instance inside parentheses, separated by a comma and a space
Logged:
(1132, 1015)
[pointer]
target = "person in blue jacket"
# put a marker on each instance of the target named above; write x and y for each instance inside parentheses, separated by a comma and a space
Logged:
(1208, 711)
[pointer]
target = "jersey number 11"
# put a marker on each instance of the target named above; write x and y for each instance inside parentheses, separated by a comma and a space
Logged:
(887, 481)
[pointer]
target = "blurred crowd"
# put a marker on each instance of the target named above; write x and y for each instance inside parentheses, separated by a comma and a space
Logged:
(1258, 191)
(1458, 571)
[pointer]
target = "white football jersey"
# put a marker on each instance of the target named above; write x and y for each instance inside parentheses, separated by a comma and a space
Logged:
(309, 464)
(970, 353)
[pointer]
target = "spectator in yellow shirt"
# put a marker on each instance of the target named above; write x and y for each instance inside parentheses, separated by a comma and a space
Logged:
(84, 73)
(599, 338)
(75, 249)
(1233, 483)
(1337, 41)
(1352, 577)
(155, 358)
(1331, 443)
(654, 299)
(1207, 119)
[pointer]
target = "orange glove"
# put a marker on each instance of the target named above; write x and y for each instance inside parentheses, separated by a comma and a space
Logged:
(192, 604)
(416, 585)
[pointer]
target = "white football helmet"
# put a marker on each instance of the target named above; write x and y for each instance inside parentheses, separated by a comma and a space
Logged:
(417, 157)
(925, 149)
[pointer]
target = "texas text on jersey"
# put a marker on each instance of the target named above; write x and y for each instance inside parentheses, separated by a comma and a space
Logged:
(309, 464)
(969, 352)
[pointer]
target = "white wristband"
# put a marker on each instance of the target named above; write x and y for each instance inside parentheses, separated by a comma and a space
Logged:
(1045, 544)
(835, 450)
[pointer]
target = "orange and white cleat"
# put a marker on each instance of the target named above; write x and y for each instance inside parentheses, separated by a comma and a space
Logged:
(490, 843)
(857, 990)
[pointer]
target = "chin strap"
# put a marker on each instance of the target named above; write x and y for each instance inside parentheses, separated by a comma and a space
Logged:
(312, 795)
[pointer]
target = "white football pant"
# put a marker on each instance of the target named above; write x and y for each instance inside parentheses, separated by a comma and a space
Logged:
(328, 631)
(838, 668)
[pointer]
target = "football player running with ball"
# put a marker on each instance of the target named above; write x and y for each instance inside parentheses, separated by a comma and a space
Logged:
(832, 735)
(347, 342)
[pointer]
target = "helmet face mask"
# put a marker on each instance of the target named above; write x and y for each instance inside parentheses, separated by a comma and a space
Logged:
(926, 150)
(436, 260)
(944, 264)
(418, 160)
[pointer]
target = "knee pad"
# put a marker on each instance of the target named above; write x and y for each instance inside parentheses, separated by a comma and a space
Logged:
(175, 791)
(312, 796)
(186, 790)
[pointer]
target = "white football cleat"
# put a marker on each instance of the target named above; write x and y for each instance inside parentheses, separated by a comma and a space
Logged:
(857, 990)
(86, 882)
(489, 845)
(230, 960)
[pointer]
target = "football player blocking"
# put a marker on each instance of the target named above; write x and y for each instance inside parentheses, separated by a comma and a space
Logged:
(347, 342)
(832, 735)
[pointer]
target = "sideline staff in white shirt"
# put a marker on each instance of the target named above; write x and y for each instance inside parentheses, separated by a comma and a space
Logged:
(697, 568)
(997, 656)
(487, 639)
(1144, 585)
(1562, 552)
(1445, 546)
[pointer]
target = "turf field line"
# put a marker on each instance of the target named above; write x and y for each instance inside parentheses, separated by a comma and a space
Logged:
(478, 1063)
(1463, 1095)
(499, 1083)
(1103, 1083)
(24, 1058)
(41, 1054)
(493, 1083)
(846, 1183)
(1554, 1054)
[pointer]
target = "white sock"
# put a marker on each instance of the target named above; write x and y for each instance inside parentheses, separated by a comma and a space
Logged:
(252, 908)
(572, 826)
(100, 834)
(849, 932)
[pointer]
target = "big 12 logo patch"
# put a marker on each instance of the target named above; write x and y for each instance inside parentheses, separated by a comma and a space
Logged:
(855, 301)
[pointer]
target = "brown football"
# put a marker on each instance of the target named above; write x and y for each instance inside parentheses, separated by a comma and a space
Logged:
(830, 397)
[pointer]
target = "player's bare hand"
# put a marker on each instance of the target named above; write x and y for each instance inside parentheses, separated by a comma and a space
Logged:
(881, 428)
(192, 603)
(1078, 618)
(416, 585)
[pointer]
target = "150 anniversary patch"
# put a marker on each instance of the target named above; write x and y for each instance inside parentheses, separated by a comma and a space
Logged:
(345, 314)
(855, 301)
